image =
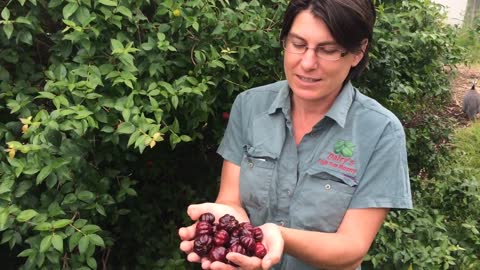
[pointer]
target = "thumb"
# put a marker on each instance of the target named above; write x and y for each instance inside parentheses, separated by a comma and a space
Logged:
(266, 264)
(194, 211)
(273, 256)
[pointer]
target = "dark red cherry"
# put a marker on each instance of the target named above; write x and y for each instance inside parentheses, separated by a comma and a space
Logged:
(208, 217)
(218, 254)
(221, 238)
(203, 227)
(202, 245)
(260, 250)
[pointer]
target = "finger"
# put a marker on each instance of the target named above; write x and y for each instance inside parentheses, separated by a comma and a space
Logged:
(186, 246)
(194, 211)
(267, 264)
(221, 266)
(187, 233)
(243, 261)
(274, 253)
(206, 263)
(193, 257)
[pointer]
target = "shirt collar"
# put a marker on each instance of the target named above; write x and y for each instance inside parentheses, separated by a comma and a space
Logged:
(282, 100)
(338, 111)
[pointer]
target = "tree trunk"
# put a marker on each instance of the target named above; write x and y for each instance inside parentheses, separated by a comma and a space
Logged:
(471, 13)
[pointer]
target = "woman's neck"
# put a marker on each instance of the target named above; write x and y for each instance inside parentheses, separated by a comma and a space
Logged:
(307, 113)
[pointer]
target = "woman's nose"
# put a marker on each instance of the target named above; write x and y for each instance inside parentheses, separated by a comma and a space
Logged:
(309, 60)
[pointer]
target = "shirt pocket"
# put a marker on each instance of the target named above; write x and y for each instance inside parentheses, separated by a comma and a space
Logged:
(256, 174)
(323, 200)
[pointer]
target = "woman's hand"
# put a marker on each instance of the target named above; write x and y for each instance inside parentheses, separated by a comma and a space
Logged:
(272, 240)
(194, 211)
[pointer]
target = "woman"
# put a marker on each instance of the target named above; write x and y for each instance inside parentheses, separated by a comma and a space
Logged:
(311, 158)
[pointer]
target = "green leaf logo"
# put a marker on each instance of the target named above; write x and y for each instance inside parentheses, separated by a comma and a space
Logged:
(344, 148)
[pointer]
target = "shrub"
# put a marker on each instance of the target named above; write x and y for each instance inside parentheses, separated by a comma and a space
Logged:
(89, 89)
(442, 231)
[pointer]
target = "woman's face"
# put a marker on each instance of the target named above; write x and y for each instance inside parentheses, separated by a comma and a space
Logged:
(310, 77)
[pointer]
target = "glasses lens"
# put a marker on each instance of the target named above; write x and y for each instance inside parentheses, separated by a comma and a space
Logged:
(292, 47)
(327, 52)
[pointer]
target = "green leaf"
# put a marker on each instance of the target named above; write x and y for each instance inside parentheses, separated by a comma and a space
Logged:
(3, 219)
(57, 242)
(174, 101)
(26, 252)
(46, 243)
(5, 14)
(84, 17)
(43, 174)
(8, 29)
(73, 240)
(83, 114)
(92, 263)
(69, 199)
(26, 215)
(90, 229)
(60, 72)
(117, 46)
(79, 223)
(126, 114)
(100, 209)
(22, 2)
(69, 9)
(347, 152)
(44, 94)
(61, 223)
(83, 244)
(133, 138)
(44, 226)
(126, 128)
(108, 3)
(125, 11)
(96, 240)
(195, 26)
(86, 196)
(185, 138)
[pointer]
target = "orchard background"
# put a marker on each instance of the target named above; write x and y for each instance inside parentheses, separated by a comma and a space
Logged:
(111, 112)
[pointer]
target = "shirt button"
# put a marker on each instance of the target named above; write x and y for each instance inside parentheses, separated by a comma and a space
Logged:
(328, 187)
(250, 164)
(289, 193)
(282, 223)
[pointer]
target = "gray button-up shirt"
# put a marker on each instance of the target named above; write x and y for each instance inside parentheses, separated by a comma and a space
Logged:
(355, 157)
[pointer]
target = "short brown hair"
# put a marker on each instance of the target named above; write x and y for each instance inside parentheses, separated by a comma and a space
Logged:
(350, 22)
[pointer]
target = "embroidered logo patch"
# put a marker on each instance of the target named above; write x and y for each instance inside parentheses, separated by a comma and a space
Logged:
(344, 148)
(341, 158)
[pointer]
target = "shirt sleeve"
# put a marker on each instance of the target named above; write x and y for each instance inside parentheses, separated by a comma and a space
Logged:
(231, 146)
(385, 182)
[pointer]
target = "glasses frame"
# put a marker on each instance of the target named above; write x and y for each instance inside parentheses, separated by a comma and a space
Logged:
(306, 48)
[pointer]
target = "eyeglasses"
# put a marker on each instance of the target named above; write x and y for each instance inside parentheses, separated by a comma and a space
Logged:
(325, 52)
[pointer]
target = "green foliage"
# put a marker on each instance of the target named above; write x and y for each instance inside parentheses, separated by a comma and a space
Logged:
(87, 89)
(467, 141)
(412, 48)
(469, 38)
(442, 232)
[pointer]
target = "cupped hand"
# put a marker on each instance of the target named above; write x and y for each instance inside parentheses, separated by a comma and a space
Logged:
(194, 211)
(273, 242)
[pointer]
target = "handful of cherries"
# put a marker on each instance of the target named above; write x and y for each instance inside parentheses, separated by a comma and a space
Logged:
(215, 240)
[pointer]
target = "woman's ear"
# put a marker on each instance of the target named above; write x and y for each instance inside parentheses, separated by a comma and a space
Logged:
(359, 56)
(364, 45)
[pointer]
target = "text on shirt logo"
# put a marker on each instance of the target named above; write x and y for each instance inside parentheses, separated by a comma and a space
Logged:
(340, 158)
